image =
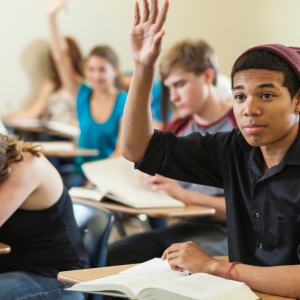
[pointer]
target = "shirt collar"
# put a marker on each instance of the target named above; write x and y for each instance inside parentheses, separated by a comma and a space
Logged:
(291, 157)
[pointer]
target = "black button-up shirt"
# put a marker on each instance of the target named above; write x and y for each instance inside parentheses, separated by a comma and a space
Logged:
(263, 211)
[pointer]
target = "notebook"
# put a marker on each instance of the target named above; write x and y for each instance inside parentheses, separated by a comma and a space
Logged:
(155, 280)
(116, 179)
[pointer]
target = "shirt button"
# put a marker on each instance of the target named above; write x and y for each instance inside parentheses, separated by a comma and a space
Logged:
(257, 215)
(260, 246)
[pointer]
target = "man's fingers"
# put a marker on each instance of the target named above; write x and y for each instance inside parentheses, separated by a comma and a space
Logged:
(146, 11)
(173, 255)
(172, 248)
(137, 16)
(169, 250)
(150, 179)
(173, 263)
(160, 187)
(157, 42)
(164, 256)
(162, 15)
(154, 11)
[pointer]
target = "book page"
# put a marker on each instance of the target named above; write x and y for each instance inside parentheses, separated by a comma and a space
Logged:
(131, 283)
(86, 193)
(118, 176)
(197, 286)
(65, 128)
(143, 198)
(155, 264)
(106, 173)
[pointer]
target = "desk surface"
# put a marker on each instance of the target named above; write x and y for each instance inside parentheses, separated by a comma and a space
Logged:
(188, 211)
(78, 276)
(71, 153)
(38, 129)
(4, 249)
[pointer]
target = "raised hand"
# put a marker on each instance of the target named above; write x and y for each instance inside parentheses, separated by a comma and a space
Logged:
(54, 6)
(146, 33)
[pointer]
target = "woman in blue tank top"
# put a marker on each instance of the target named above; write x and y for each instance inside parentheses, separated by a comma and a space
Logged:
(100, 102)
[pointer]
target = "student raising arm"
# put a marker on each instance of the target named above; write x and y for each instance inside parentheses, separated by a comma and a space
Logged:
(100, 101)
(257, 163)
(145, 40)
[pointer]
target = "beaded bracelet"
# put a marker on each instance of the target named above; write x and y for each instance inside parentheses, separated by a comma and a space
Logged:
(229, 269)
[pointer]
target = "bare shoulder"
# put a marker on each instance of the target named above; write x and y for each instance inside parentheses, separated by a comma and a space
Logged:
(29, 164)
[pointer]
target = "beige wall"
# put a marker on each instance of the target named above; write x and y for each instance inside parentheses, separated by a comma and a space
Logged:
(231, 26)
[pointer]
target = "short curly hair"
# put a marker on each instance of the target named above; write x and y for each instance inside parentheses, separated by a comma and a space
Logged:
(263, 59)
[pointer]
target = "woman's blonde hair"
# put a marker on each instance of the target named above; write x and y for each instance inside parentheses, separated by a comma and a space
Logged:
(11, 151)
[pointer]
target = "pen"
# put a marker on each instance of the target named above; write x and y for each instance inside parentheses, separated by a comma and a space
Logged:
(186, 272)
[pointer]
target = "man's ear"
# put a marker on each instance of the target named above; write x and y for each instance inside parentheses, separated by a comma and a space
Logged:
(209, 76)
(297, 101)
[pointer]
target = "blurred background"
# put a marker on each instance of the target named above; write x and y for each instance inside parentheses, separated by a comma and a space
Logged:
(230, 26)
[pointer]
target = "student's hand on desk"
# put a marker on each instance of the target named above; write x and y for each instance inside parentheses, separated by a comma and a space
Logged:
(167, 185)
(189, 256)
(146, 33)
(55, 5)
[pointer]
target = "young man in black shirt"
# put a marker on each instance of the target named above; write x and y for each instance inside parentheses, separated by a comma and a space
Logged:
(257, 164)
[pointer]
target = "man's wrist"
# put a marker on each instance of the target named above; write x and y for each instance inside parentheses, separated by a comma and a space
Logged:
(183, 195)
(218, 268)
(139, 68)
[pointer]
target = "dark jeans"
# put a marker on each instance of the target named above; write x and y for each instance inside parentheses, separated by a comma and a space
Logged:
(157, 223)
(29, 286)
(142, 247)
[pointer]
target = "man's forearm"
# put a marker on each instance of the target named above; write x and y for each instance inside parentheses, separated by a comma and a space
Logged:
(218, 203)
(282, 280)
(137, 128)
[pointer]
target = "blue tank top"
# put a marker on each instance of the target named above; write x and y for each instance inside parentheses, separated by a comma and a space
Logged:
(94, 135)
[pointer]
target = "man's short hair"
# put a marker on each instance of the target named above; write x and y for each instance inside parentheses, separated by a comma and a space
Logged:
(262, 59)
(192, 56)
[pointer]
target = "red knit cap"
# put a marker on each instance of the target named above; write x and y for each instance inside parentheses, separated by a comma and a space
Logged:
(290, 55)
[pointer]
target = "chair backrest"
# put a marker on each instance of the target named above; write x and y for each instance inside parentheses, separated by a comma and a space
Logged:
(94, 225)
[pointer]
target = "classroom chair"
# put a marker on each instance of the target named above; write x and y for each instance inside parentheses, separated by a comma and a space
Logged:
(94, 225)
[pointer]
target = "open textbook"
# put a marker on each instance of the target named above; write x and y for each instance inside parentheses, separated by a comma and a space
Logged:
(155, 280)
(115, 178)
(60, 127)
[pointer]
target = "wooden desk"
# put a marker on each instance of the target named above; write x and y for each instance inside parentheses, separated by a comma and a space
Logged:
(188, 211)
(71, 153)
(35, 126)
(74, 277)
(4, 249)
(64, 149)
